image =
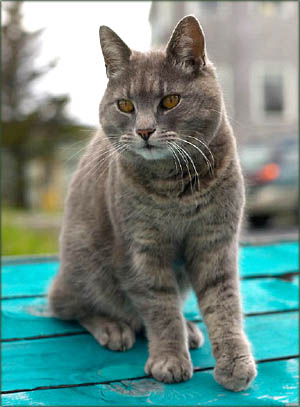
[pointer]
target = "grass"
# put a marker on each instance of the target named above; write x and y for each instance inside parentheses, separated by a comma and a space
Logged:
(18, 237)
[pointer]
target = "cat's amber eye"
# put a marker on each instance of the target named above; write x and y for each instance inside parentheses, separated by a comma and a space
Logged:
(170, 101)
(125, 105)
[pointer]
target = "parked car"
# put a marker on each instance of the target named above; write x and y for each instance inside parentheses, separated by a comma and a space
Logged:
(271, 173)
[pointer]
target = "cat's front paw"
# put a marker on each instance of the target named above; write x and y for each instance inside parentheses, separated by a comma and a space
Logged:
(169, 367)
(236, 373)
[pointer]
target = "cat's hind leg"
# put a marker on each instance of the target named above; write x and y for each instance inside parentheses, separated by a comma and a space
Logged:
(115, 335)
(64, 301)
(195, 336)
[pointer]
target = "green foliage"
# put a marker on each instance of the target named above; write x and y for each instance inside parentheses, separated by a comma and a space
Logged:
(18, 239)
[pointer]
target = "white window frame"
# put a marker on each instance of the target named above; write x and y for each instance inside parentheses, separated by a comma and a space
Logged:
(290, 93)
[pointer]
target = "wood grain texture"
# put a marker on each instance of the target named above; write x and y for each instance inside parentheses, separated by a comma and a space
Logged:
(27, 317)
(80, 359)
(34, 279)
(275, 385)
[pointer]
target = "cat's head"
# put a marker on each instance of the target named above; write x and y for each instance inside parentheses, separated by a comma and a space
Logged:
(162, 101)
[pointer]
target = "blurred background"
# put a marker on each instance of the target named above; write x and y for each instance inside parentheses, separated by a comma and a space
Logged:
(53, 78)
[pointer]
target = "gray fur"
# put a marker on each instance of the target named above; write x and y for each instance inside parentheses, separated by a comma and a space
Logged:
(131, 212)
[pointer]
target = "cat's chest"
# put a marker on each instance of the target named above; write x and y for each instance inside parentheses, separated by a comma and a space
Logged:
(172, 219)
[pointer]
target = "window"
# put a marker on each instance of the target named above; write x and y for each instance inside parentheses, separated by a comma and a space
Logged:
(273, 89)
(273, 93)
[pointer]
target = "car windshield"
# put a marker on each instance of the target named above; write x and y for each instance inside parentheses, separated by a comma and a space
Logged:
(254, 157)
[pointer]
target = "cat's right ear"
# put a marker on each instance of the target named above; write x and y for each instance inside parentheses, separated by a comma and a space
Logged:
(116, 53)
(186, 46)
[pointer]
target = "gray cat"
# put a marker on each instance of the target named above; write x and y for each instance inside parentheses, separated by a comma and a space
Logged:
(159, 182)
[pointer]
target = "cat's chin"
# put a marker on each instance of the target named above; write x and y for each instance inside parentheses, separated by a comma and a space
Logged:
(154, 153)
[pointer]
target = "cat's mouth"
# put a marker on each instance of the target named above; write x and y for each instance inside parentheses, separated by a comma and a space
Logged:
(148, 146)
(152, 151)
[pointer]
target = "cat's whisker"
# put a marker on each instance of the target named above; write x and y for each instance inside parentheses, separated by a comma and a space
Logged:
(206, 146)
(84, 141)
(127, 137)
(103, 153)
(196, 172)
(229, 117)
(65, 149)
(101, 163)
(175, 162)
(176, 159)
(113, 150)
(108, 148)
(173, 149)
(208, 163)
(96, 160)
(113, 158)
(176, 167)
(71, 145)
(182, 152)
(191, 179)
(193, 164)
(100, 159)
(176, 138)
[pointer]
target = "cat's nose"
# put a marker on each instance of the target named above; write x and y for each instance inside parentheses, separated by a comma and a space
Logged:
(145, 133)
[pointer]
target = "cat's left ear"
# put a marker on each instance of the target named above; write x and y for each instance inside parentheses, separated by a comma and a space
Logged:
(116, 53)
(186, 46)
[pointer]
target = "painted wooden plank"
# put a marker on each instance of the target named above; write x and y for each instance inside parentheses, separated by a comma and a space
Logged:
(79, 359)
(27, 317)
(27, 279)
(34, 279)
(273, 259)
(201, 389)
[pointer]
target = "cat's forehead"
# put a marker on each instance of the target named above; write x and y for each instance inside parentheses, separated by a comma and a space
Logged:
(148, 74)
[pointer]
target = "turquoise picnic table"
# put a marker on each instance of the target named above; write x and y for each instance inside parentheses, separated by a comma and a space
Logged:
(48, 362)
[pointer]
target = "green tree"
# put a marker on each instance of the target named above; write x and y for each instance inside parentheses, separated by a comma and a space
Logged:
(31, 127)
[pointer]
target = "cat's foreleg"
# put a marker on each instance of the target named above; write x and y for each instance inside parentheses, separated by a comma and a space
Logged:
(215, 280)
(154, 292)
